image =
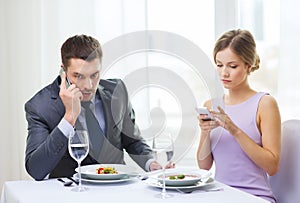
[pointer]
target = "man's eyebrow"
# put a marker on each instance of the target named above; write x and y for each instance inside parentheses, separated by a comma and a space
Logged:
(77, 73)
(95, 72)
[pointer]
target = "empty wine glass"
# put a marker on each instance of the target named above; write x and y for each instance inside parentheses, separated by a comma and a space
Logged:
(78, 146)
(163, 151)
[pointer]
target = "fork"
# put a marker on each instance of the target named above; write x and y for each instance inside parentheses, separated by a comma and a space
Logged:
(188, 191)
(74, 181)
(66, 184)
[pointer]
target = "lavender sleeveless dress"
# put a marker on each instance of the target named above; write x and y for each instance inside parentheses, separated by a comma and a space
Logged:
(233, 166)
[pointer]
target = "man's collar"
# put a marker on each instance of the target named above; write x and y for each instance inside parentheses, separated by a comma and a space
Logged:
(94, 98)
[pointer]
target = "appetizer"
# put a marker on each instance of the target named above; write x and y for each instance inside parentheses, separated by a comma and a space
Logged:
(176, 177)
(106, 170)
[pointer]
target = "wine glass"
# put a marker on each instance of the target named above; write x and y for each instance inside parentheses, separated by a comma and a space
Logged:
(163, 151)
(78, 146)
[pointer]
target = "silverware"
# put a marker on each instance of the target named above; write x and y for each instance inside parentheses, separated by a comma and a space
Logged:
(205, 177)
(74, 181)
(188, 191)
(66, 183)
(139, 176)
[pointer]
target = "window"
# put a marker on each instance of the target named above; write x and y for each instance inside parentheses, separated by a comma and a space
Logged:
(261, 18)
(192, 20)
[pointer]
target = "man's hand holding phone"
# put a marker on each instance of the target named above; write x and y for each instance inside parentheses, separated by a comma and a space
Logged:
(71, 97)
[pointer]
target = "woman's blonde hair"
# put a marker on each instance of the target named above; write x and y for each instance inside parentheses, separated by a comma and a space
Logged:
(242, 43)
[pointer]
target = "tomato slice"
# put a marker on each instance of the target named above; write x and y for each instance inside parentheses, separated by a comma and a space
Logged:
(100, 170)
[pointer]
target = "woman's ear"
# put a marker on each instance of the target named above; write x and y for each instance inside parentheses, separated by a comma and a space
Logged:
(249, 68)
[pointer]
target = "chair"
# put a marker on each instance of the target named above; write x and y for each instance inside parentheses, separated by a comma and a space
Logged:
(286, 183)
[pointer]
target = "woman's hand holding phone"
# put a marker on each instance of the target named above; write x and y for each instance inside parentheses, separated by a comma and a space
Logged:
(71, 97)
(205, 114)
(206, 120)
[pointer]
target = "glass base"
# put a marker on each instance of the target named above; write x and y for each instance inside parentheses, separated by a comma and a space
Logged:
(164, 195)
(79, 189)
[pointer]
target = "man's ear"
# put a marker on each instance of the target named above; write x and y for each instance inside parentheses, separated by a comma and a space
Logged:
(62, 66)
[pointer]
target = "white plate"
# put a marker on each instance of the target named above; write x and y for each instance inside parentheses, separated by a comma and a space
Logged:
(186, 183)
(189, 179)
(107, 181)
(90, 172)
(155, 183)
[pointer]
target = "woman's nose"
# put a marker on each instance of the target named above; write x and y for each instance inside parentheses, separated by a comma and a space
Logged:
(224, 72)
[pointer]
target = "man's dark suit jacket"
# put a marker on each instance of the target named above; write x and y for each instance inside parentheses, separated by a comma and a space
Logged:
(47, 147)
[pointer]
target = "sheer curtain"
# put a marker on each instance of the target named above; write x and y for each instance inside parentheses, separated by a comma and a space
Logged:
(20, 61)
(31, 35)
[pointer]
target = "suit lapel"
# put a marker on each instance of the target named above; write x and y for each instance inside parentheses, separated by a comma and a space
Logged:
(106, 102)
(58, 105)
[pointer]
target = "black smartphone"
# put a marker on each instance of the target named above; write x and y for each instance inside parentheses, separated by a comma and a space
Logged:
(202, 110)
(67, 79)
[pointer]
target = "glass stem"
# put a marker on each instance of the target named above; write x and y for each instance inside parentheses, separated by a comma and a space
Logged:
(79, 173)
(163, 192)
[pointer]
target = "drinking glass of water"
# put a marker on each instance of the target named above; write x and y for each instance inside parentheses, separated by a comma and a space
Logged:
(163, 151)
(78, 149)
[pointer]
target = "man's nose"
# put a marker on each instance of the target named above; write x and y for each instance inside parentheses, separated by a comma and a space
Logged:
(88, 83)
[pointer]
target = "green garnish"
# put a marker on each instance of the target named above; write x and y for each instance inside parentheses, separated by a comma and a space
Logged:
(181, 176)
(172, 177)
(177, 177)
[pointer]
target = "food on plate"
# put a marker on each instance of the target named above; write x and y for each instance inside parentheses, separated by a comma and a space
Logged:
(106, 170)
(176, 177)
(182, 177)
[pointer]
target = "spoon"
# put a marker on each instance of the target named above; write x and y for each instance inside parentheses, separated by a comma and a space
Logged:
(66, 183)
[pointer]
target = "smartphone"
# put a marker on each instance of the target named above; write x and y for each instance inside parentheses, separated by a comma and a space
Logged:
(203, 110)
(67, 79)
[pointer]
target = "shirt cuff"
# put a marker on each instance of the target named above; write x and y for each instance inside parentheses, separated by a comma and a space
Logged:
(65, 127)
(147, 166)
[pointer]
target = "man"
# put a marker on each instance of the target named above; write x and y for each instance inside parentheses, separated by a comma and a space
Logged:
(54, 112)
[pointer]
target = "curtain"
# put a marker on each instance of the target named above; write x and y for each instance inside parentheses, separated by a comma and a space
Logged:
(20, 59)
(31, 33)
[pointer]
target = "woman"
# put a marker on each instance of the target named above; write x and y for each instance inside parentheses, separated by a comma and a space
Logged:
(244, 138)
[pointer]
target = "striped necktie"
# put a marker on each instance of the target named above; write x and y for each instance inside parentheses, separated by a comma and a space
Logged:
(96, 134)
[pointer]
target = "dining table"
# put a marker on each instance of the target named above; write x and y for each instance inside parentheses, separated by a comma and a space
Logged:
(135, 189)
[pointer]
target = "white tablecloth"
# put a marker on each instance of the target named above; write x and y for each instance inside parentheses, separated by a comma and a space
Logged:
(30, 191)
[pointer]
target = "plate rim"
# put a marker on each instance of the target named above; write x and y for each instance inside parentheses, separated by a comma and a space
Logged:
(157, 184)
(104, 181)
(91, 176)
(181, 182)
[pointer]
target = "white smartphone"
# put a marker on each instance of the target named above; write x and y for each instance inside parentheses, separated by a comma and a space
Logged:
(203, 110)
(67, 79)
